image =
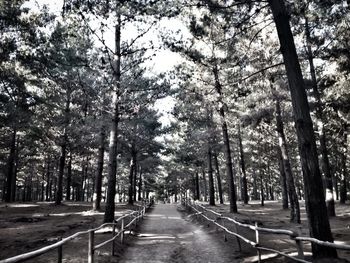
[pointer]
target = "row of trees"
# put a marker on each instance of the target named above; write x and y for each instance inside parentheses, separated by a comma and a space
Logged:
(65, 90)
(241, 61)
(57, 88)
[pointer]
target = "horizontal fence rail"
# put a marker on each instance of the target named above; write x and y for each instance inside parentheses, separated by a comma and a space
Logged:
(135, 216)
(219, 221)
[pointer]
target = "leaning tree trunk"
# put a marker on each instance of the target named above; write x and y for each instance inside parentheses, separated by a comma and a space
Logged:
(99, 172)
(227, 149)
(10, 168)
(320, 121)
(314, 197)
(244, 186)
(113, 137)
(211, 179)
(218, 178)
(293, 197)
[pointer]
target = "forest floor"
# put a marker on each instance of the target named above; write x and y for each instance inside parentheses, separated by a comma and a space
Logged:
(273, 216)
(25, 227)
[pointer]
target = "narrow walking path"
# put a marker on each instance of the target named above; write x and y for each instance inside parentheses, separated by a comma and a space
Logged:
(165, 236)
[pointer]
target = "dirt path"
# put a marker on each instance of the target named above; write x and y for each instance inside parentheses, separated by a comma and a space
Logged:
(166, 236)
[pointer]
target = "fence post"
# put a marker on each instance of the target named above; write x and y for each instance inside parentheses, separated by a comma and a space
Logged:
(122, 231)
(60, 253)
(257, 241)
(299, 245)
(91, 247)
(113, 234)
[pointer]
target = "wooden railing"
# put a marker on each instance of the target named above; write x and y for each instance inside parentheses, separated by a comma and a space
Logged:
(134, 217)
(202, 211)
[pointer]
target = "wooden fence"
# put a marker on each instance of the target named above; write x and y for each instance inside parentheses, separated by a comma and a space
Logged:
(133, 217)
(204, 212)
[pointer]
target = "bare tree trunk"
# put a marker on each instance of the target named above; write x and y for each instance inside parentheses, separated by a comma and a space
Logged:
(344, 175)
(227, 149)
(113, 137)
(10, 167)
(218, 178)
(197, 196)
(293, 197)
(211, 179)
(314, 197)
(244, 186)
(134, 190)
(69, 178)
(62, 161)
(283, 180)
(205, 185)
(140, 184)
(321, 119)
(99, 173)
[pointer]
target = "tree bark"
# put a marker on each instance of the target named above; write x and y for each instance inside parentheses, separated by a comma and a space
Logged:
(211, 179)
(292, 194)
(197, 196)
(69, 178)
(244, 190)
(205, 185)
(227, 149)
(344, 175)
(62, 160)
(283, 180)
(314, 197)
(140, 184)
(99, 172)
(113, 137)
(10, 167)
(320, 121)
(218, 178)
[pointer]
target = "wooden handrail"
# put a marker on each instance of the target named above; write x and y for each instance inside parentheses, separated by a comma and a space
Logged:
(292, 235)
(59, 244)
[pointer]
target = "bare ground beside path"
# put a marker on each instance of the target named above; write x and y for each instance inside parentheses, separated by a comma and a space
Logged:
(166, 235)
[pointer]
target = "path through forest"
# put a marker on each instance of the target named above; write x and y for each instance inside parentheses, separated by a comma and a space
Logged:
(167, 236)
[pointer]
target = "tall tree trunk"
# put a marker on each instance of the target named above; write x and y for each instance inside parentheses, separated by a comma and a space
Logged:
(15, 171)
(140, 185)
(227, 149)
(244, 186)
(211, 179)
(344, 175)
(293, 197)
(255, 186)
(113, 137)
(69, 178)
(314, 197)
(218, 178)
(197, 196)
(10, 167)
(64, 142)
(320, 121)
(134, 190)
(205, 185)
(99, 172)
(283, 180)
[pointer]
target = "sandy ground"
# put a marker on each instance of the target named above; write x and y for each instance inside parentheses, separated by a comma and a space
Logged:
(27, 227)
(167, 236)
(273, 216)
